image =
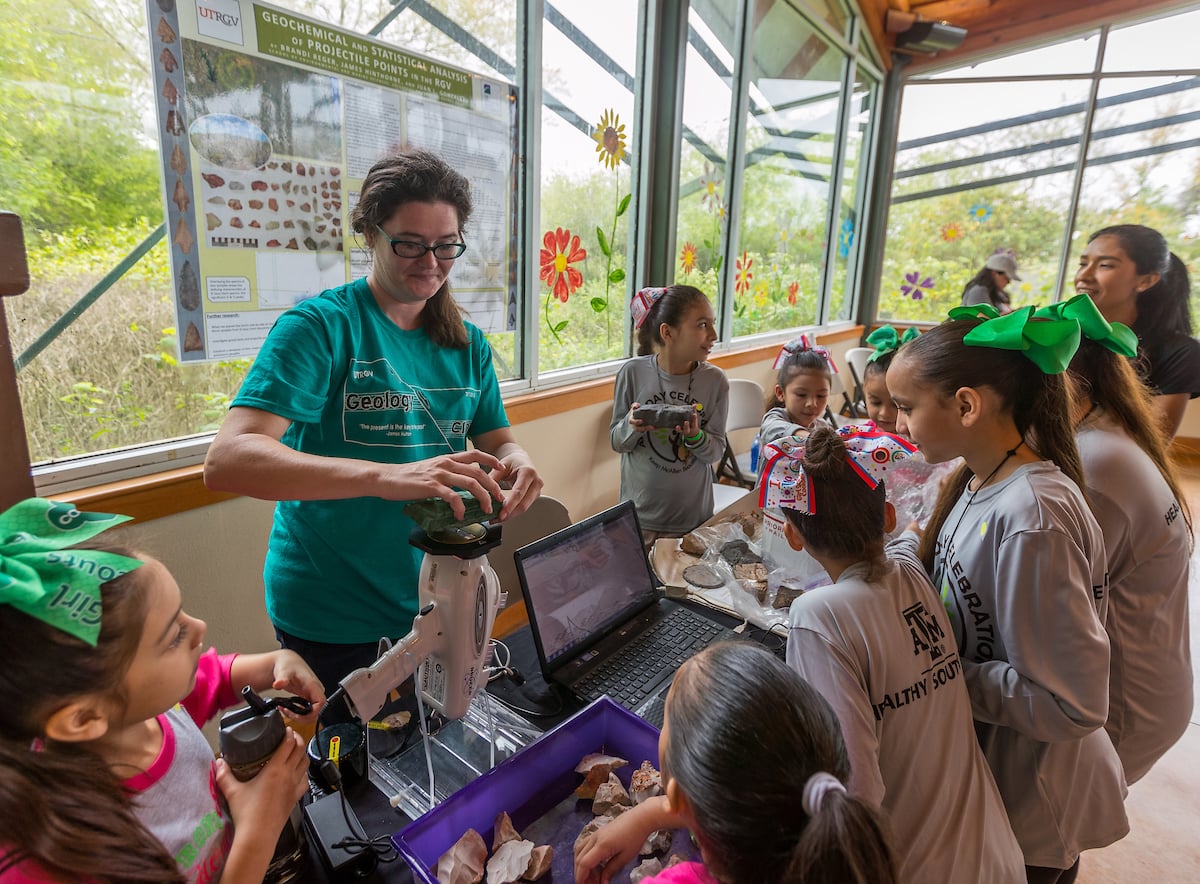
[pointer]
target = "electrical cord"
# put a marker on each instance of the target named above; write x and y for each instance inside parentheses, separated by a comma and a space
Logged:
(503, 665)
(536, 713)
(380, 847)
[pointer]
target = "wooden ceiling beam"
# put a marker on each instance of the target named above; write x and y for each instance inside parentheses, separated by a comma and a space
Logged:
(1013, 24)
(950, 10)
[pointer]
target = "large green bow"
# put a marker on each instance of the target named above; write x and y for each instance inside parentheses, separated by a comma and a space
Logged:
(41, 575)
(1115, 336)
(1049, 343)
(885, 340)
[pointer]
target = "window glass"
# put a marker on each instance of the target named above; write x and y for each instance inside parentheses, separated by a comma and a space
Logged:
(587, 145)
(833, 12)
(849, 219)
(791, 123)
(80, 165)
(704, 151)
(980, 168)
(1162, 45)
(1144, 164)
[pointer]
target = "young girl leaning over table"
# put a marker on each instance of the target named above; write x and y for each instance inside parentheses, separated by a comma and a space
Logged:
(103, 777)
(754, 766)
(801, 394)
(1020, 563)
(877, 644)
(667, 472)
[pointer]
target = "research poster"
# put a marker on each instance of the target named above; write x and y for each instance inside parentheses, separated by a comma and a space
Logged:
(268, 123)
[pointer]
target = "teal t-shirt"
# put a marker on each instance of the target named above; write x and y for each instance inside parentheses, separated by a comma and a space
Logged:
(355, 385)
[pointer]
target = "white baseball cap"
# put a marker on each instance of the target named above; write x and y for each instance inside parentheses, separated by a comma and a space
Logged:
(1006, 264)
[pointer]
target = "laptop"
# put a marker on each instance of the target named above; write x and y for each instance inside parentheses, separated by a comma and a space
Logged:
(599, 620)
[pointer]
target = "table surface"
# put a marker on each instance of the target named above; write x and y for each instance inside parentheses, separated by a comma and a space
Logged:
(371, 806)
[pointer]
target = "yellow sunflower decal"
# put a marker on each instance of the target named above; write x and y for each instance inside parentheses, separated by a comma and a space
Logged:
(610, 139)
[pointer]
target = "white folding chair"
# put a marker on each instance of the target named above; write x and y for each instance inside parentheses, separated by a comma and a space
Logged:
(858, 358)
(746, 408)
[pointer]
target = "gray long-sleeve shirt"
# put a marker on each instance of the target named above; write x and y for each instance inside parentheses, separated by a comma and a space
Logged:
(883, 655)
(1148, 546)
(1021, 569)
(670, 485)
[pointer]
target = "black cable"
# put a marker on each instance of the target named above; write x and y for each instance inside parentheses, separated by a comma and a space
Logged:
(380, 847)
(534, 712)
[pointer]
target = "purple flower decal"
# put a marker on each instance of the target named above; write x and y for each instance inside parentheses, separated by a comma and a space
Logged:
(915, 286)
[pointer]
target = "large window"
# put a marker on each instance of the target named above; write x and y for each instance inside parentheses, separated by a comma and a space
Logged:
(587, 146)
(769, 209)
(1010, 172)
(764, 200)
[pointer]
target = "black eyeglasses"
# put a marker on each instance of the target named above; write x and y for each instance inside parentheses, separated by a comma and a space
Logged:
(443, 251)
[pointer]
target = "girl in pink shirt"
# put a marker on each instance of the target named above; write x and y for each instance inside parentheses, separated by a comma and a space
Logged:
(753, 765)
(103, 777)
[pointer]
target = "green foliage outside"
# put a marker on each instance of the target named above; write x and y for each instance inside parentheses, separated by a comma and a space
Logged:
(945, 240)
(78, 167)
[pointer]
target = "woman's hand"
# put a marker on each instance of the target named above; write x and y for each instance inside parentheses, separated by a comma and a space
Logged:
(613, 846)
(290, 673)
(473, 471)
(525, 485)
(261, 806)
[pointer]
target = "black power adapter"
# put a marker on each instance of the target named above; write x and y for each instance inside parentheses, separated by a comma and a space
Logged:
(326, 825)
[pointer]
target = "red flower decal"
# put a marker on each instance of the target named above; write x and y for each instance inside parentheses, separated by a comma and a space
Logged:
(560, 252)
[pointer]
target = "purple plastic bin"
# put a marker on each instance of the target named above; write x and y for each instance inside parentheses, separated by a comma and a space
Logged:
(529, 784)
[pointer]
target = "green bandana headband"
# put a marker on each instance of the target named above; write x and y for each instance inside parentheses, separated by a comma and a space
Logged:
(1115, 336)
(43, 577)
(1048, 343)
(886, 340)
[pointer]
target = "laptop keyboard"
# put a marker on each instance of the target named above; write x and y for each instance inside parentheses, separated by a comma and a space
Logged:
(632, 674)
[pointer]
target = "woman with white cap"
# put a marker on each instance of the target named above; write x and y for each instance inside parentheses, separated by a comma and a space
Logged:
(987, 286)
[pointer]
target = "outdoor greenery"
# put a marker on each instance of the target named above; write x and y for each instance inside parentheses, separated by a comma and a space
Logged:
(77, 164)
(936, 245)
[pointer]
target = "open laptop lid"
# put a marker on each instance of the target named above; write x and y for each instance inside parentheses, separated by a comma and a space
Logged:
(583, 582)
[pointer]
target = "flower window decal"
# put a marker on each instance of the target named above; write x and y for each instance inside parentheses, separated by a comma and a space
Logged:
(560, 250)
(687, 258)
(610, 139)
(915, 286)
(744, 275)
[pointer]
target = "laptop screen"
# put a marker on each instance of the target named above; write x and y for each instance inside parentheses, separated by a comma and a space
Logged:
(585, 579)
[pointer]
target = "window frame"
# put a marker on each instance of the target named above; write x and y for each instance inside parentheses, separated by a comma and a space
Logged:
(113, 466)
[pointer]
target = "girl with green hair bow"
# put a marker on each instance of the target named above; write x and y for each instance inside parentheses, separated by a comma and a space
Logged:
(104, 772)
(886, 341)
(1147, 526)
(1019, 561)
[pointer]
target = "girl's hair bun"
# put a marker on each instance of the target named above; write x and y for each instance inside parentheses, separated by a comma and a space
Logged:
(824, 453)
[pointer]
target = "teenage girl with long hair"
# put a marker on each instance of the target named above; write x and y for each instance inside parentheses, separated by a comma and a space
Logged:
(754, 766)
(1147, 525)
(1129, 271)
(1019, 561)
